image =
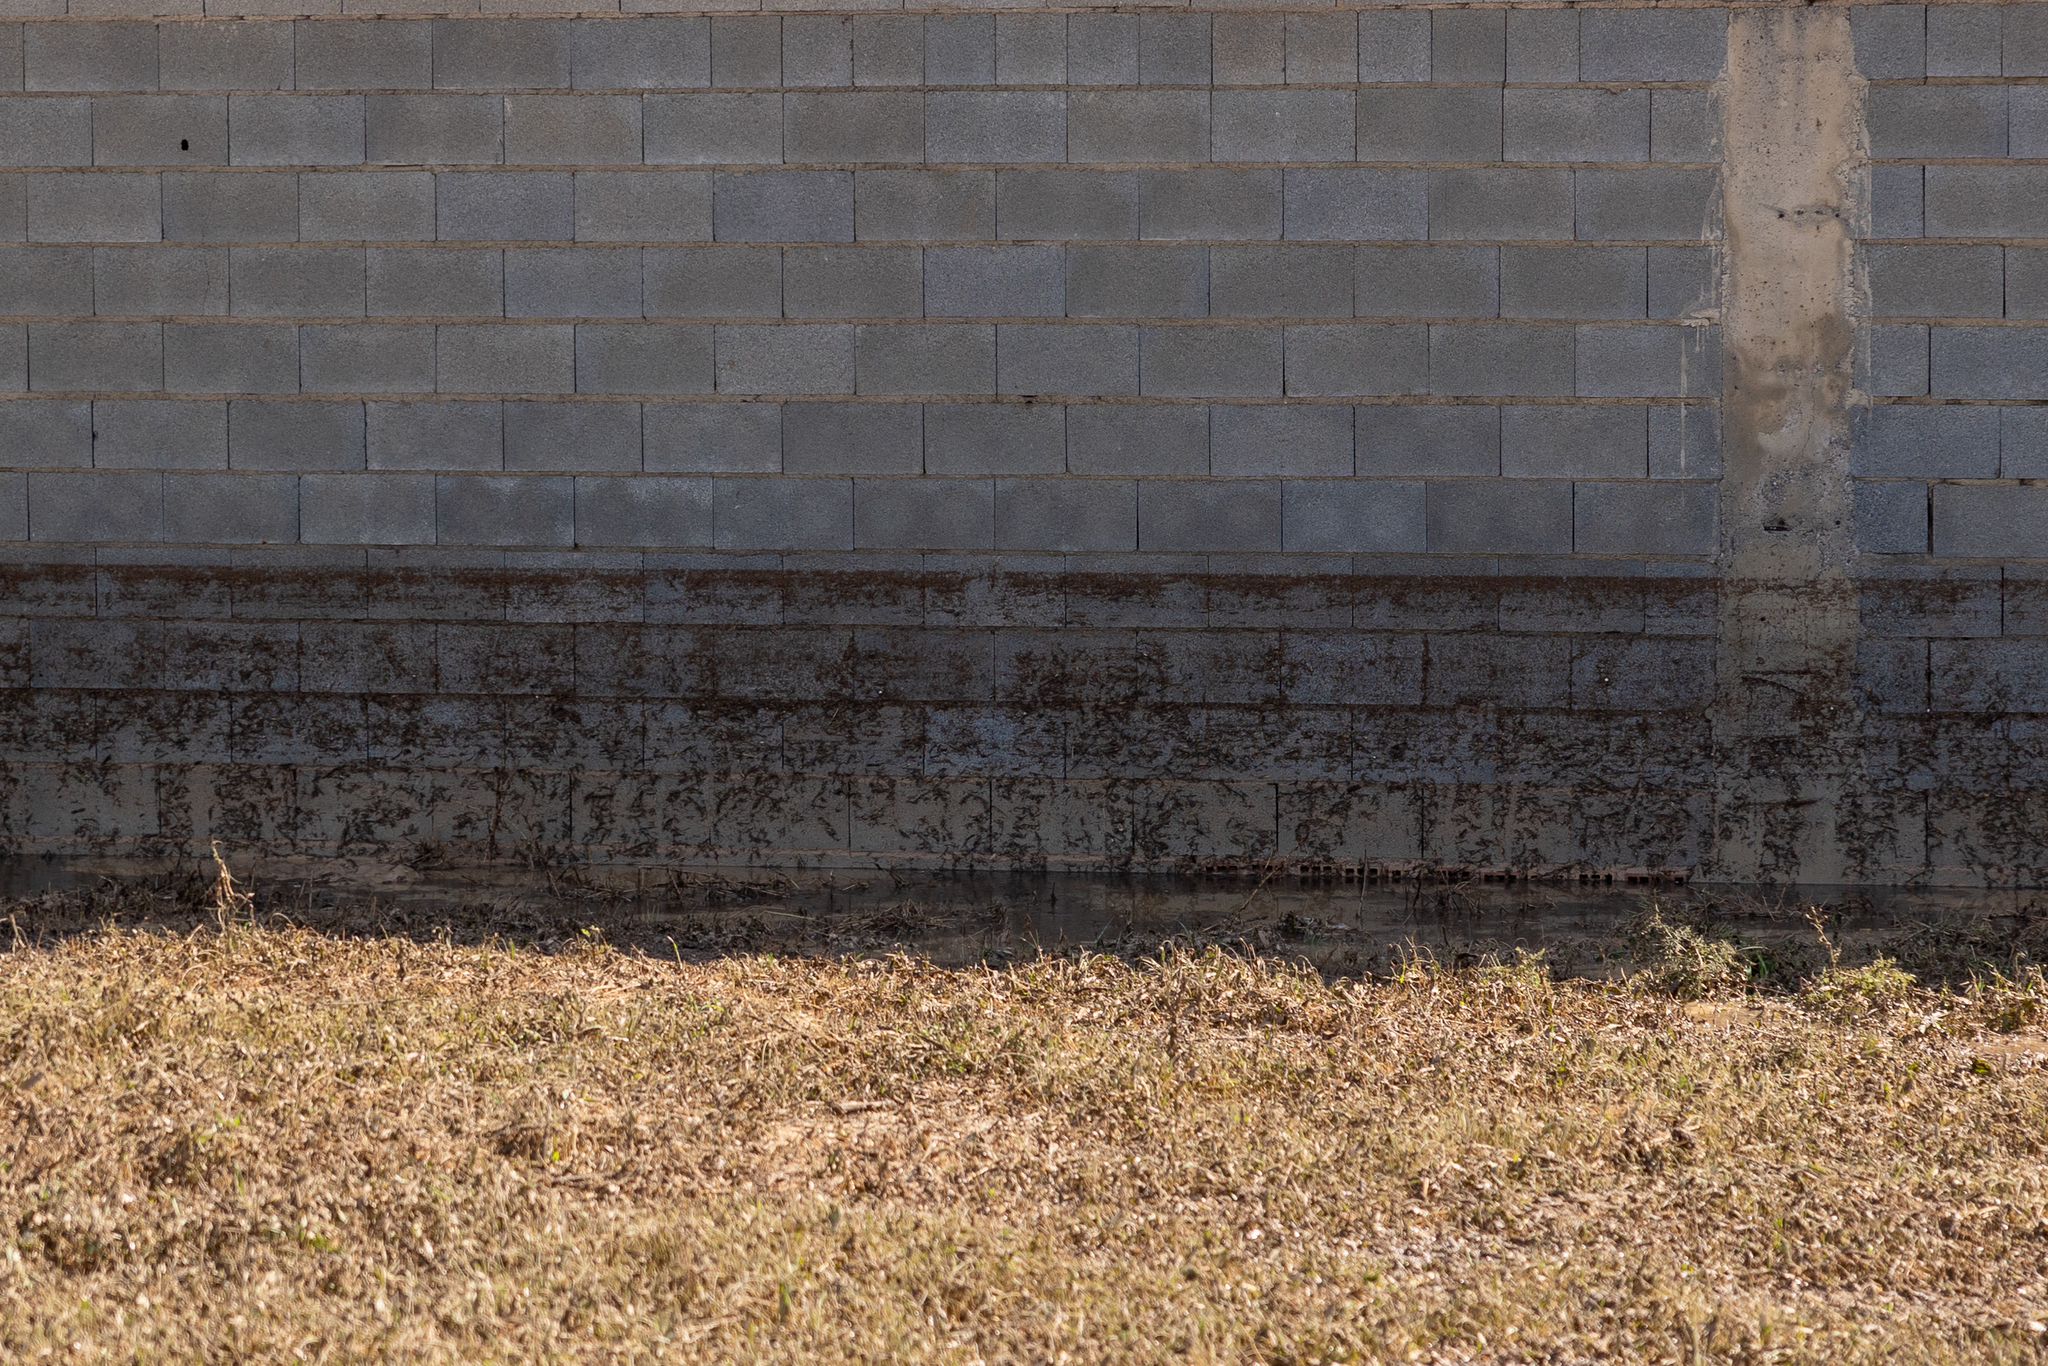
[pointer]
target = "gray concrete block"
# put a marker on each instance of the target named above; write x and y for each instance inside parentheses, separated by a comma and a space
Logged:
(582, 437)
(2026, 120)
(1500, 517)
(648, 511)
(275, 434)
(1354, 516)
(1281, 282)
(783, 206)
(1575, 125)
(1322, 49)
(1900, 441)
(10, 65)
(2026, 282)
(643, 358)
(1895, 201)
(712, 438)
(434, 130)
(1427, 282)
(14, 507)
(853, 126)
(96, 506)
(817, 49)
(157, 281)
(372, 359)
(2025, 40)
(1275, 439)
(1066, 206)
(806, 358)
(296, 282)
(1393, 45)
(458, 282)
(231, 509)
(501, 206)
(1501, 205)
(295, 130)
(2023, 442)
(59, 132)
(1964, 40)
(1649, 520)
(917, 206)
(1173, 49)
(154, 434)
(1138, 125)
(1137, 282)
(2004, 520)
(852, 282)
(1251, 49)
(645, 54)
(995, 126)
(1660, 203)
(1891, 518)
(746, 50)
(1467, 45)
(572, 282)
(1031, 49)
(1573, 282)
(1892, 360)
(114, 207)
(1652, 45)
(1935, 282)
(1649, 362)
(631, 206)
(713, 282)
(1071, 516)
(1087, 359)
(960, 49)
(888, 49)
(714, 129)
(1971, 201)
(1988, 362)
(783, 514)
(1685, 441)
(935, 358)
(13, 358)
(224, 56)
(1285, 125)
(1440, 439)
(89, 57)
(1573, 441)
(1684, 126)
(1102, 49)
(201, 206)
(579, 130)
(1429, 123)
(367, 206)
(1684, 281)
(435, 435)
(993, 438)
(924, 514)
(852, 438)
(1936, 121)
(994, 282)
(37, 433)
(386, 54)
(502, 54)
(1357, 360)
(1212, 362)
(1128, 439)
(366, 509)
(1890, 41)
(500, 359)
(86, 356)
(1542, 45)
(46, 280)
(1490, 360)
(1210, 203)
(1211, 516)
(476, 509)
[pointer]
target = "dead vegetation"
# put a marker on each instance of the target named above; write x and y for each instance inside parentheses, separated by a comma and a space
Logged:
(245, 1139)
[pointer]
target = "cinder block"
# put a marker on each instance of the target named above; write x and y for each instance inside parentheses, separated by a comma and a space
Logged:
(434, 130)
(274, 434)
(366, 509)
(924, 514)
(1212, 362)
(1138, 125)
(1031, 49)
(157, 282)
(1127, 439)
(296, 282)
(1573, 282)
(2026, 282)
(1652, 45)
(46, 280)
(231, 509)
(1963, 41)
(11, 64)
(1322, 49)
(1895, 201)
(1501, 205)
(1649, 362)
(1173, 49)
(1543, 45)
(1491, 360)
(572, 282)
(645, 54)
(1273, 439)
(296, 130)
(1936, 282)
(502, 54)
(852, 438)
(1911, 441)
(647, 511)
(1685, 441)
(202, 206)
(1090, 359)
(2003, 520)
(1102, 49)
(2027, 120)
(1212, 516)
(1936, 121)
(935, 359)
(1573, 441)
(917, 206)
(152, 434)
(1500, 517)
(1684, 126)
(1354, 516)
(1575, 125)
(2023, 442)
(580, 130)
(1989, 362)
(1427, 282)
(1210, 203)
(13, 358)
(853, 282)
(14, 508)
(1661, 203)
(959, 49)
(992, 438)
(1066, 206)
(474, 509)
(995, 126)
(1066, 516)
(628, 206)
(96, 505)
(783, 206)
(501, 359)
(87, 356)
(367, 206)
(107, 56)
(1285, 125)
(2025, 40)
(1652, 520)
(1357, 360)
(1890, 41)
(1251, 49)
(1892, 361)
(1281, 282)
(746, 50)
(994, 282)
(805, 358)
(583, 437)
(1137, 282)
(1891, 518)
(436, 436)
(853, 126)
(1467, 45)
(497, 206)
(817, 49)
(708, 282)
(385, 54)
(713, 438)
(1429, 123)
(113, 207)
(643, 358)
(714, 129)
(1393, 45)
(1972, 201)
(59, 132)
(888, 49)
(783, 514)
(1684, 281)
(1435, 440)
(45, 433)
(460, 282)
(374, 359)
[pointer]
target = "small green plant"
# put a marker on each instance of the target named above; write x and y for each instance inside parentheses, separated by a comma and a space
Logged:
(1685, 963)
(1875, 988)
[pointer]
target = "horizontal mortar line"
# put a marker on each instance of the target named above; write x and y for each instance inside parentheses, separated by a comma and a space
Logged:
(1020, 400)
(1209, 322)
(1922, 320)
(899, 88)
(855, 167)
(880, 243)
(841, 12)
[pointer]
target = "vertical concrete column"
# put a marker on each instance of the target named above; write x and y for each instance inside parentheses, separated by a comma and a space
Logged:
(1785, 716)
